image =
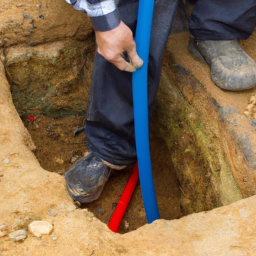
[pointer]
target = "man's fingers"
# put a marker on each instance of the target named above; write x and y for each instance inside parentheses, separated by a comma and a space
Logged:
(129, 67)
(137, 62)
(122, 64)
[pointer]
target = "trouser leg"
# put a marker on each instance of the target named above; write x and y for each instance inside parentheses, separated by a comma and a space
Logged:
(110, 124)
(223, 20)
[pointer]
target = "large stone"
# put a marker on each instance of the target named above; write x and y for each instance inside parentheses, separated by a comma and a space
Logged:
(40, 227)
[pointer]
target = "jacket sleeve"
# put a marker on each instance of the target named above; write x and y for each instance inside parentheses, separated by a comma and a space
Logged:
(103, 13)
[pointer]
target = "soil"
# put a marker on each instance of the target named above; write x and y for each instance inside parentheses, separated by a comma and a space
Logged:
(57, 149)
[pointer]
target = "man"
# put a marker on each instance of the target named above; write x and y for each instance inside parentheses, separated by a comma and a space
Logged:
(215, 25)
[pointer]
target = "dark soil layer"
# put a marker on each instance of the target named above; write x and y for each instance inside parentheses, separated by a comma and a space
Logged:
(58, 149)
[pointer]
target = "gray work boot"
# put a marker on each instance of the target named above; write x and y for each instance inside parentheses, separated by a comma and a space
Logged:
(86, 179)
(231, 68)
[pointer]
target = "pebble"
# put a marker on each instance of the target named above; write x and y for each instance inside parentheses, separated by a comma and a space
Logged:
(99, 210)
(54, 238)
(41, 16)
(2, 57)
(126, 224)
(52, 212)
(18, 235)
(114, 205)
(2, 227)
(26, 16)
(59, 160)
(6, 161)
(73, 159)
(39, 228)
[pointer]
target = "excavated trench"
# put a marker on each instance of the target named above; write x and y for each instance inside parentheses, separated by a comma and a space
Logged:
(51, 82)
(52, 86)
(57, 149)
(203, 146)
(190, 129)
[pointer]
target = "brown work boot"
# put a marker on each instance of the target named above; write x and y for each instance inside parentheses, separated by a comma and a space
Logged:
(231, 68)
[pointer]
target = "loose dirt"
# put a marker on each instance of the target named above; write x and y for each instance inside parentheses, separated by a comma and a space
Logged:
(57, 149)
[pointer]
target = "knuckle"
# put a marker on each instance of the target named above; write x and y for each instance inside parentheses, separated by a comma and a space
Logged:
(133, 44)
(129, 34)
(109, 56)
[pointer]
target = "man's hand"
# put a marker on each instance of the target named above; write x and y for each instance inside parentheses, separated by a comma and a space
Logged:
(113, 43)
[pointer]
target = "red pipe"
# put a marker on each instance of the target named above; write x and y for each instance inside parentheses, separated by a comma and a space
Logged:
(124, 200)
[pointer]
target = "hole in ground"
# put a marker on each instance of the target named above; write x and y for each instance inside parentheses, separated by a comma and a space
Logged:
(58, 149)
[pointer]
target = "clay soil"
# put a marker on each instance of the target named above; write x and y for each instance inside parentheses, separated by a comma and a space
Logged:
(57, 149)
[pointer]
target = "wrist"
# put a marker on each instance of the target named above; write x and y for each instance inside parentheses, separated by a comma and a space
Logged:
(106, 22)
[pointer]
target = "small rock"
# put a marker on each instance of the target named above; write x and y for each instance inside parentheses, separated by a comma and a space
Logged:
(99, 210)
(73, 159)
(6, 161)
(18, 235)
(114, 205)
(52, 212)
(59, 161)
(39, 228)
(2, 57)
(245, 179)
(3, 227)
(41, 16)
(54, 238)
(126, 224)
(27, 16)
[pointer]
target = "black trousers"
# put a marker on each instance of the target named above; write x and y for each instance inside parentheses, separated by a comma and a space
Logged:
(223, 19)
(109, 122)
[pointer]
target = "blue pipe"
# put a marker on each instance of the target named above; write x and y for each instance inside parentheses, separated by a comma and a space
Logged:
(140, 105)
